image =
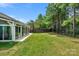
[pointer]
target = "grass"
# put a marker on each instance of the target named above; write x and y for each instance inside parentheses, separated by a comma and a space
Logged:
(42, 44)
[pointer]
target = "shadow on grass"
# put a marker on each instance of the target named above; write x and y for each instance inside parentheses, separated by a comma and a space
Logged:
(7, 45)
(57, 34)
(52, 33)
(63, 35)
(73, 39)
(39, 32)
(76, 42)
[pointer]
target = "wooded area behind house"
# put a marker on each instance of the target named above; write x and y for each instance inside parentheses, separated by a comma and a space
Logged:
(60, 18)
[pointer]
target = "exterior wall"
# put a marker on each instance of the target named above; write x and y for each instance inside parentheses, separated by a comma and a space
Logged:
(9, 31)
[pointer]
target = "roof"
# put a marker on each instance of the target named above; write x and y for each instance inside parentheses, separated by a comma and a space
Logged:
(2, 15)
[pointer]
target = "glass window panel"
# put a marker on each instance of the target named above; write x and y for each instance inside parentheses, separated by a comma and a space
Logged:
(17, 32)
(7, 33)
(1, 33)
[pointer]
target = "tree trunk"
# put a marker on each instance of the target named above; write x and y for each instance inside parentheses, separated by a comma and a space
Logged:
(58, 22)
(33, 27)
(74, 23)
(53, 24)
(57, 25)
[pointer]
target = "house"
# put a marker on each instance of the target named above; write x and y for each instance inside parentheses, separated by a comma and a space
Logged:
(11, 29)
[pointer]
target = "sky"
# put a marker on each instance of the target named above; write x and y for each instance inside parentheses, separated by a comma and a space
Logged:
(23, 11)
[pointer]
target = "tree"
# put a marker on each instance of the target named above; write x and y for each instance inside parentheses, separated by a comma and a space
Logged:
(74, 6)
(52, 15)
(56, 13)
(39, 20)
(60, 18)
(31, 24)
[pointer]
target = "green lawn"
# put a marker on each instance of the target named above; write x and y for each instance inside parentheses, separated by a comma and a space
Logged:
(42, 44)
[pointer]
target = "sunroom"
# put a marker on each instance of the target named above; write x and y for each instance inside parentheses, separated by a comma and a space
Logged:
(11, 29)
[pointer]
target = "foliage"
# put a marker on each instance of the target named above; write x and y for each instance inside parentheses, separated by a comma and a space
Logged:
(59, 15)
(66, 23)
